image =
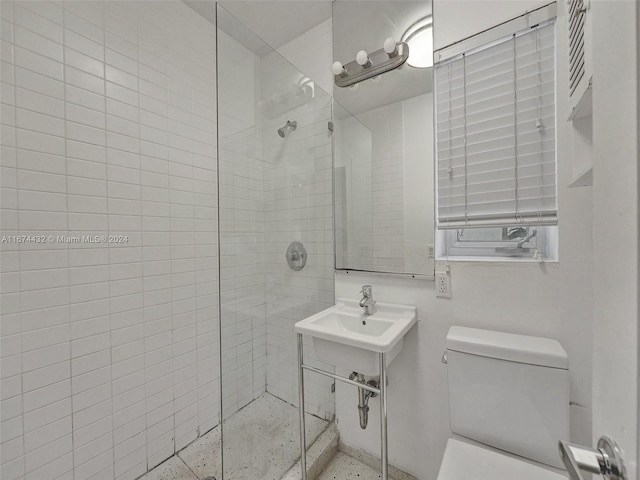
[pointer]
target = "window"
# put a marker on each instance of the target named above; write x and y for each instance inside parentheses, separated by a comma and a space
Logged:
(496, 154)
(517, 242)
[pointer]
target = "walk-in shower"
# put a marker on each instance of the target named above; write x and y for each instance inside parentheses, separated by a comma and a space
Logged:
(269, 196)
(282, 131)
(154, 329)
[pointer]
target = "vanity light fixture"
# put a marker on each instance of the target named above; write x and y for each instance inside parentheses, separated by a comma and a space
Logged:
(391, 56)
(419, 37)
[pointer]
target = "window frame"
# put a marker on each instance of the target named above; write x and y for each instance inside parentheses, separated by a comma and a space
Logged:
(542, 248)
(545, 248)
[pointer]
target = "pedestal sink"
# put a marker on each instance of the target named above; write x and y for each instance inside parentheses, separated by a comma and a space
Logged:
(347, 338)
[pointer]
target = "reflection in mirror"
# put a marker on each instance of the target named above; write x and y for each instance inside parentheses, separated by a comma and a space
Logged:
(383, 141)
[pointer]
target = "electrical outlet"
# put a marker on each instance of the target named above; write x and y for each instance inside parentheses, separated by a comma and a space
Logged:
(443, 284)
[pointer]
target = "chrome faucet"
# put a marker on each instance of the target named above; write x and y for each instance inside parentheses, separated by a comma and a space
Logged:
(367, 302)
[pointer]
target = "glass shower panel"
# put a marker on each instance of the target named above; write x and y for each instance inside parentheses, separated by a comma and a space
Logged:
(275, 188)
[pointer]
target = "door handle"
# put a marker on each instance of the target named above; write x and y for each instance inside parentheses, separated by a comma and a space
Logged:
(606, 460)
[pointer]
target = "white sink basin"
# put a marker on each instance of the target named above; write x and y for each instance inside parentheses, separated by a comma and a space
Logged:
(345, 337)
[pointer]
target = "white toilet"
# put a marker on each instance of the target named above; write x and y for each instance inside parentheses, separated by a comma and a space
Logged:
(508, 406)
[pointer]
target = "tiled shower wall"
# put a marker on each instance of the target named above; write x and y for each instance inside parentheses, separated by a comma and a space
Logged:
(272, 191)
(109, 349)
(243, 179)
(299, 207)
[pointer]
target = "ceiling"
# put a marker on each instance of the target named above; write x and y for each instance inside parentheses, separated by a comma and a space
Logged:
(279, 21)
(274, 21)
(357, 25)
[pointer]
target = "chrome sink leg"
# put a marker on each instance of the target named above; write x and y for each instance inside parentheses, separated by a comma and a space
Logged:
(383, 417)
(303, 440)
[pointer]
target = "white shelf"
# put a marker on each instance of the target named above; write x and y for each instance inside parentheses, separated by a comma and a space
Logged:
(583, 106)
(583, 178)
(582, 137)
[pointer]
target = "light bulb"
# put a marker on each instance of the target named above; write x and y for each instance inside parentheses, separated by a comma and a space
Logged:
(363, 59)
(338, 69)
(390, 47)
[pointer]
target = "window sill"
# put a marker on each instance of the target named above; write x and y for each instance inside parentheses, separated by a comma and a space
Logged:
(488, 261)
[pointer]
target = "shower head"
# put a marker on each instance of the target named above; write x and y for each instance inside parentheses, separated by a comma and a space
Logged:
(282, 131)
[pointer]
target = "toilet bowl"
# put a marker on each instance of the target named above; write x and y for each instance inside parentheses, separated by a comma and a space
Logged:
(508, 406)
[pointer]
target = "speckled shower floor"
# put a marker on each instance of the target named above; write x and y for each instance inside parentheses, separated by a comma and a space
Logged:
(342, 467)
(261, 443)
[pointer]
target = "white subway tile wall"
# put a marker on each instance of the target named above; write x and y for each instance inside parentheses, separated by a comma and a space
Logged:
(272, 191)
(309, 219)
(242, 186)
(299, 207)
(109, 349)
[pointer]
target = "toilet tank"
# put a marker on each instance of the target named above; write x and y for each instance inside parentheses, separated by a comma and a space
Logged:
(509, 391)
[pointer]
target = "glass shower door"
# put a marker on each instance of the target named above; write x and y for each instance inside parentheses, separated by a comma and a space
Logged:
(275, 188)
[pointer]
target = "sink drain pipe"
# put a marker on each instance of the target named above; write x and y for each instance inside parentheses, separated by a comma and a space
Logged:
(363, 397)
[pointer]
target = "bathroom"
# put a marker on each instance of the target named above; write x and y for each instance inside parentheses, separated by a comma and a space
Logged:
(154, 186)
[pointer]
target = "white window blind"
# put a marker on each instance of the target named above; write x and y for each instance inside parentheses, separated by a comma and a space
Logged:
(495, 132)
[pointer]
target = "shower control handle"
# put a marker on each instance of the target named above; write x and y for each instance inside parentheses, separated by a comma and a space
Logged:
(296, 256)
(606, 460)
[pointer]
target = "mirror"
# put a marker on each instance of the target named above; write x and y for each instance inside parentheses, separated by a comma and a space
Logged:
(383, 142)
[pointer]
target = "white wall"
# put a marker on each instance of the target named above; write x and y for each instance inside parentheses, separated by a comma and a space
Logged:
(311, 53)
(109, 351)
(551, 300)
(455, 20)
(615, 223)
(418, 171)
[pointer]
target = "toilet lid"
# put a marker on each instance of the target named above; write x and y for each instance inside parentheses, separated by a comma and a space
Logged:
(463, 461)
